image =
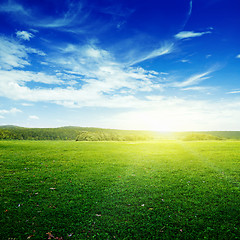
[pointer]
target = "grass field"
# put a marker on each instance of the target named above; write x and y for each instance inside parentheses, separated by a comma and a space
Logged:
(120, 190)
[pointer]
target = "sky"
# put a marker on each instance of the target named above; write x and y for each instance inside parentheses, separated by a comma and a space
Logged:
(125, 64)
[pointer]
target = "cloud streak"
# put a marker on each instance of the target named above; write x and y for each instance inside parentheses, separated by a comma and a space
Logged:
(164, 50)
(190, 9)
(190, 34)
(193, 80)
(233, 92)
(68, 19)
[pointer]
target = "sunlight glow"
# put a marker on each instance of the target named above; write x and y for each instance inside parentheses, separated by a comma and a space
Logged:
(155, 121)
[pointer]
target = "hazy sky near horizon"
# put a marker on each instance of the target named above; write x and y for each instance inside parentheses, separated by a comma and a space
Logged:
(154, 65)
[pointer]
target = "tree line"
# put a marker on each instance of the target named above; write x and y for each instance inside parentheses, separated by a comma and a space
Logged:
(104, 136)
(201, 137)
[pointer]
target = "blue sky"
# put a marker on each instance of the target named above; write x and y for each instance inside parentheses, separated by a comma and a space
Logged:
(155, 65)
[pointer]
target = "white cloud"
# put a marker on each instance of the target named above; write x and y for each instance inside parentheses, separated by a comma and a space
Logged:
(14, 54)
(238, 56)
(11, 111)
(99, 68)
(36, 51)
(12, 77)
(33, 117)
(93, 93)
(92, 78)
(190, 34)
(95, 53)
(24, 35)
(27, 104)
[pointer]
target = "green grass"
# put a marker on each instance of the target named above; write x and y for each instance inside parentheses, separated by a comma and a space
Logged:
(120, 190)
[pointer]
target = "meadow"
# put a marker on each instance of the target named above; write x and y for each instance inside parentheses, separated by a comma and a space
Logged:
(120, 190)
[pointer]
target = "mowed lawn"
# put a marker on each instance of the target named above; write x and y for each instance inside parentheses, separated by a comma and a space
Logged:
(120, 190)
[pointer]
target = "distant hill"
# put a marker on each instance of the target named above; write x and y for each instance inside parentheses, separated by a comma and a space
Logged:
(217, 134)
(226, 134)
(101, 134)
(71, 133)
(9, 127)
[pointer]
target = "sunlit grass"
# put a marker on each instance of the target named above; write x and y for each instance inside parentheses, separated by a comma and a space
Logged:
(120, 190)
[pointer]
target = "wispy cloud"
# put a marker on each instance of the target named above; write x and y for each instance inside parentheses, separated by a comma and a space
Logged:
(33, 117)
(69, 18)
(14, 54)
(55, 23)
(190, 9)
(190, 34)
(196, 88)
(99, 79)
(184, 61)
(188, 15)
(36, 51)
(88, 75)
(233, 92)
(27, 104)
(99, 68)
(13, 7)
(24, 35)
(193, 80)
(238, 56)
(21, 77)
(167, 48)
(10, 111)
